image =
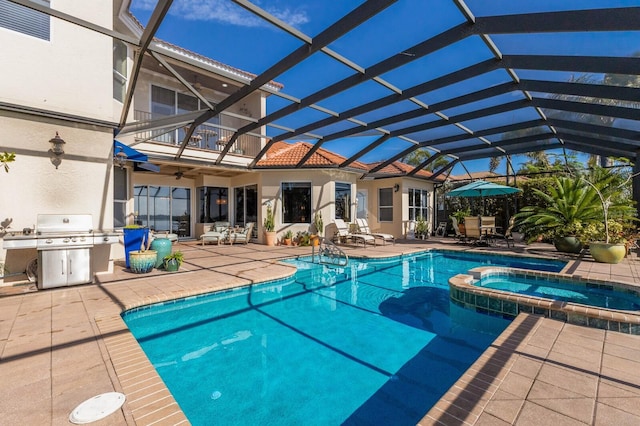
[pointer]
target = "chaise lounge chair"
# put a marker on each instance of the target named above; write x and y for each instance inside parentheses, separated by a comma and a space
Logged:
(363, 226)
(344, 234)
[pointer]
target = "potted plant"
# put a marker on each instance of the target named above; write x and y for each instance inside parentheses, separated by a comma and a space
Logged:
(569, 207)
(143, 260)
(173, 261)
(286, 238)
(134, 237)
(615, 223)
(421, 228)
(303, 238)
(269, 227)
(460, 215)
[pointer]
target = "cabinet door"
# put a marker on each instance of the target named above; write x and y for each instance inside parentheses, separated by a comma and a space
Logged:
(78, 266)
(52, 268)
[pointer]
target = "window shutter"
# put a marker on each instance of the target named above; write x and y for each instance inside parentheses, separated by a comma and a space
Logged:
(27, 21)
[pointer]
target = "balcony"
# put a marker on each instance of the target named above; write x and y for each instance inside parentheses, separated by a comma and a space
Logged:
(207, 137)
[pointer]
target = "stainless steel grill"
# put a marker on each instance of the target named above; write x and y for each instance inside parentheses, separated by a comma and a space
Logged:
(64, 244)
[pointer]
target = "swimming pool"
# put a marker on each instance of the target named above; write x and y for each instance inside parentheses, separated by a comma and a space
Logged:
(376, 342)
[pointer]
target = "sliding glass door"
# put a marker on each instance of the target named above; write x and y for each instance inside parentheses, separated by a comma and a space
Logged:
(163, 208)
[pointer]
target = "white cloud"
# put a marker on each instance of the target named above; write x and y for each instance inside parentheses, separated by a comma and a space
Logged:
(223, 11)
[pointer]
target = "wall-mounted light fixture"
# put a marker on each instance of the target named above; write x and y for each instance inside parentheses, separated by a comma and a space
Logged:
(120, 158)
(57, 150)
(396, 187)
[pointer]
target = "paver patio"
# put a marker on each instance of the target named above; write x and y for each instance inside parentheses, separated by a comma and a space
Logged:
(62, 346)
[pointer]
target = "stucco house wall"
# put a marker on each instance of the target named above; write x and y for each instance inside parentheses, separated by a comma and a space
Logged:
(69, 74)
(400, 224)
(322, 195)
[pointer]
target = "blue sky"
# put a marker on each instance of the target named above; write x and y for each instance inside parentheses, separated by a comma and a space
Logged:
(223, 31)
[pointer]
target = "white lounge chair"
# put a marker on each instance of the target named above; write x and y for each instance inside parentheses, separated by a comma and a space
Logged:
(363, 226)
(344, 234)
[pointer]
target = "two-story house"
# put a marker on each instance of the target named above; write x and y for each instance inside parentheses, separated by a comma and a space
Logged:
(131, 152)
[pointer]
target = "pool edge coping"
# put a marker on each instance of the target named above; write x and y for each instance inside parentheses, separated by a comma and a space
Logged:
(465, 294)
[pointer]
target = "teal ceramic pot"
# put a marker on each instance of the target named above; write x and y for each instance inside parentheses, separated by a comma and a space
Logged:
(171, 265)
(142, 262)
(163, 247)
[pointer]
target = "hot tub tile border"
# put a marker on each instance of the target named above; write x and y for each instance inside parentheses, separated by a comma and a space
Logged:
(508, 305)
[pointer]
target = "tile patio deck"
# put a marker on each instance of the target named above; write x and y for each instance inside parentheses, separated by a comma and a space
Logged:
(62, 346)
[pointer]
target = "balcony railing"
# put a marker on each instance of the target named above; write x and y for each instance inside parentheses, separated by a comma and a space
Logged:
(208, 137)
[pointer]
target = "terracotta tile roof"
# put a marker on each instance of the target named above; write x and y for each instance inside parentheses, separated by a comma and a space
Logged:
(398, 168)
(282, 154)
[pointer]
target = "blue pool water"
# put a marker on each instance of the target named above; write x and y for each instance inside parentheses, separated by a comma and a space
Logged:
(592, 295)
(376, 342)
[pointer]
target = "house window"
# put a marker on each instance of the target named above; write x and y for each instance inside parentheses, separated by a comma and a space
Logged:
(343, 201)
(163, 208)
(167, 102)
(213, 204)
(120, 197)
(119, 70)
(385, 204)
(24, 20)
(418, 204)
(296, 202)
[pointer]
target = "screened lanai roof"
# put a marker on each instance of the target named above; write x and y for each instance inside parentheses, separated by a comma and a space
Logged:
(375, 80)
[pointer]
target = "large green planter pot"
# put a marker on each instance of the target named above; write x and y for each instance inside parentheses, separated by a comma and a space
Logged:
(568, 244)
(607, 253)
(171, 265)
(163, 247)
(141, 262)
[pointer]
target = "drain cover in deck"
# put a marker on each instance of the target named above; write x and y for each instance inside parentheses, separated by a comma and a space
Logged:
(96, 408)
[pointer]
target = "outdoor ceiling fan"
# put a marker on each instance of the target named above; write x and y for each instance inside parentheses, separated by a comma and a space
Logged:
(179, 174)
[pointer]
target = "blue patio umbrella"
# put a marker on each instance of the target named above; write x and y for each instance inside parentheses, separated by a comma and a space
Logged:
(482, 188)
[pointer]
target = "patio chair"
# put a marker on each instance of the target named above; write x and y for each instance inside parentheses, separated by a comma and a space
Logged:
(363, 226)
(458, 235)
(488, 228)
(218, 233)
(507, 236)
(163, 234)
(243, 236)
(441, 230)
(472, 226)
(343, 234)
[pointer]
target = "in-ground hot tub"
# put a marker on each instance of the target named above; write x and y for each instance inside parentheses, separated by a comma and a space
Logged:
(506, 292)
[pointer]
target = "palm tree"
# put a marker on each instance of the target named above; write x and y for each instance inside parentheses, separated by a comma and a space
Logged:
(420, 155)
(571, 205)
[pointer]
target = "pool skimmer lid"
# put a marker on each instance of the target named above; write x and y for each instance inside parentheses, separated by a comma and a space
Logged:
(96, 408)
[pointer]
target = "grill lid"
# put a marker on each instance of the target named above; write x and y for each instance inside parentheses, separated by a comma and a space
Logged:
(64, 223)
